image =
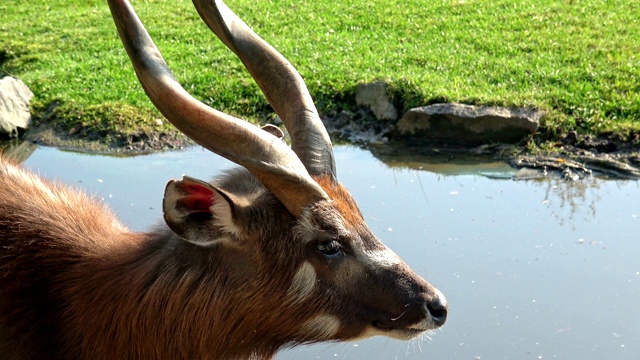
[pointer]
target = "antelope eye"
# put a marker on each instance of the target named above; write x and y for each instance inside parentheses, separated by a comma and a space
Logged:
(330, 248)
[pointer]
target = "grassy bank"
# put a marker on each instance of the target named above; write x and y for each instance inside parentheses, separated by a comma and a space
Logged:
(578, 60)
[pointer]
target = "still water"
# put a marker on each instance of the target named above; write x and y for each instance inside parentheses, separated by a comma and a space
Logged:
(531, 269)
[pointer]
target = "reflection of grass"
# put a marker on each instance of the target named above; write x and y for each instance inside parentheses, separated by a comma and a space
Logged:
(576, 59)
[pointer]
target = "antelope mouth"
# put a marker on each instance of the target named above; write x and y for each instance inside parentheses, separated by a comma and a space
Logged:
(416, 319)
(402, 333)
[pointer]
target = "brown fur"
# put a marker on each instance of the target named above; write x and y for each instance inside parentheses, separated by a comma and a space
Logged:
(343, 201)
(231, 275)
(75, 284)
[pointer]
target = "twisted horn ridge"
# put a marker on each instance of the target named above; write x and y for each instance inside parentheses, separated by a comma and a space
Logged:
(264, 155)
(281, 84)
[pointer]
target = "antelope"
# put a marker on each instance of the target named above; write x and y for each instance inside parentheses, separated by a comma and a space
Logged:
(272, 254)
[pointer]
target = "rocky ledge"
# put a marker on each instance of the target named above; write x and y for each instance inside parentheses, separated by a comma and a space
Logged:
(494, 131)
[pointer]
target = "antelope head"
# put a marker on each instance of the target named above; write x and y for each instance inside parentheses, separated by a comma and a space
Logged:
(290, 248)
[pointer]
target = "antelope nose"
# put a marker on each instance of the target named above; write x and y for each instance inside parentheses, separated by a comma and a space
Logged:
(436, 308)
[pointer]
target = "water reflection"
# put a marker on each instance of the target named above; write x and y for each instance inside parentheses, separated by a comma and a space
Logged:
(17, 150)
(568, 200)
(533, 269)
(418, 157)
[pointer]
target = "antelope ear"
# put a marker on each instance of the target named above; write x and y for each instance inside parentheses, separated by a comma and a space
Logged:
(198, 212)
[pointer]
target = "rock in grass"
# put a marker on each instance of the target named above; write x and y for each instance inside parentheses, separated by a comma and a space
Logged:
(14, 107)
(374, 95)
(467, 124)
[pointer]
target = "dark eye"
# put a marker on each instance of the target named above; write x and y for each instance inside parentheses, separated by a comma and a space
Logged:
(330, 248)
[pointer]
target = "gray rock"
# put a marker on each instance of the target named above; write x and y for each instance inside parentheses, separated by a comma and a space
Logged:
(374, 95)
(14, 107)
(467, 124)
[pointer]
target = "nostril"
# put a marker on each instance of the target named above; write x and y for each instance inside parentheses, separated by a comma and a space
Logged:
(438, 310)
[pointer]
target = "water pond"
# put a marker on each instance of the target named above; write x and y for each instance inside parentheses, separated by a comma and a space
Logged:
(541, 269)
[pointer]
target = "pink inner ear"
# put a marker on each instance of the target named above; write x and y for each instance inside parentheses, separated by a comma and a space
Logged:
(200, 198)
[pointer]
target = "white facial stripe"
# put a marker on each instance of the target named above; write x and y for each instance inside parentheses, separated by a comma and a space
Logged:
(303, 283)
(380, 258)
(321, 327)
(210, 242)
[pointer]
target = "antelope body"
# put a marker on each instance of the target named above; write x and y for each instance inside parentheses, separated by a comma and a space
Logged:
(273, 254)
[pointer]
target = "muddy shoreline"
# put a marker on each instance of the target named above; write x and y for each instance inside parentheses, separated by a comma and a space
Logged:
(572, 158)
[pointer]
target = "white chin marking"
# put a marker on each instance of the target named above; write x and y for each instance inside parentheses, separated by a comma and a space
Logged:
(321, 327)
(370, 332)
(303, 283)
(394, 334)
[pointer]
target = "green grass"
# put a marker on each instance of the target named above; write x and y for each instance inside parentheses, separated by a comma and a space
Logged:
(578, 60)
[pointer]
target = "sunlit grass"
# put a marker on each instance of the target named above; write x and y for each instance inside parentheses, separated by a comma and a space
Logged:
(578, 60)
